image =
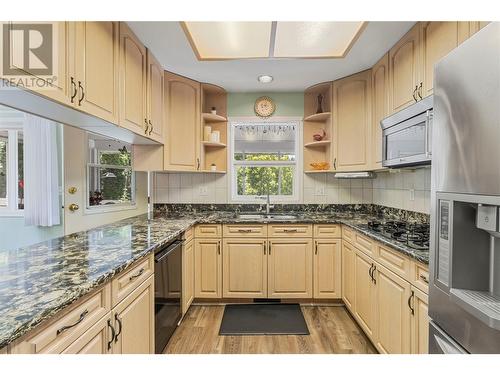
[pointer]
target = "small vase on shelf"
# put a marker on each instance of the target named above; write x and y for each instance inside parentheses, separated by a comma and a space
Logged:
(320, 104)
(214, 111)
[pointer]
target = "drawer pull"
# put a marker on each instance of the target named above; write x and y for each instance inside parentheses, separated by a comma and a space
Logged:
(141, 271)
(113, 334)
(80, 319)
(290, 230)
(424, 279)
(245, 230)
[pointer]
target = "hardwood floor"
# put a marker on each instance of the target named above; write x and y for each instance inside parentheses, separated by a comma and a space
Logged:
(332, 330)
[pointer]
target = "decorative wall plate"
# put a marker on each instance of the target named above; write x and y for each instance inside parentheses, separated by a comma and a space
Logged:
(264, 106)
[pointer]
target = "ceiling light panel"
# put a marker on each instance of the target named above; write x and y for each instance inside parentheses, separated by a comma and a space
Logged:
(315, 39)
(229, 40)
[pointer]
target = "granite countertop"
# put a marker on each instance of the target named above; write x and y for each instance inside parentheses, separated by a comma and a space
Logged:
(40, 280)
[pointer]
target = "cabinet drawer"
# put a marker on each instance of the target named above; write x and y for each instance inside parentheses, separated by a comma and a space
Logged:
(348, 234)
(290, 230)
(208, 231)
(188, 235)
(327, 231)
(364, 244)
(246, 230)
(123, 284)
(420, 276)
(394, 261)
(70, 324)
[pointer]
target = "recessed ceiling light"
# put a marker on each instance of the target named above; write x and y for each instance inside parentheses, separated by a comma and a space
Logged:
(265, 78)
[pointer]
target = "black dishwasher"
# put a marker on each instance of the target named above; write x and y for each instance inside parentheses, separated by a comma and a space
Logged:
(168, 292)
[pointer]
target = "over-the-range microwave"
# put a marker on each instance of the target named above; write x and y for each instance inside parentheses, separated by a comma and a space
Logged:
(407, 136)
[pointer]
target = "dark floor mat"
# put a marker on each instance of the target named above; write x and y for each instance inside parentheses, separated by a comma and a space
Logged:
(263, 319)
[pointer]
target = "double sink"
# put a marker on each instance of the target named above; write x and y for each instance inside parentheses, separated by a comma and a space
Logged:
(266, 217)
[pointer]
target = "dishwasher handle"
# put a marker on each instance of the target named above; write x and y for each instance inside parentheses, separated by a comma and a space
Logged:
(168, 250)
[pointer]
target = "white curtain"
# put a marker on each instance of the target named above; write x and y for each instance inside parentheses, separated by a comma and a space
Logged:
(41, 172)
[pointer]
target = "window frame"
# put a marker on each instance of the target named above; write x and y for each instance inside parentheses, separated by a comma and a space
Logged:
(233, 164)
(13, 127)
(111, 207)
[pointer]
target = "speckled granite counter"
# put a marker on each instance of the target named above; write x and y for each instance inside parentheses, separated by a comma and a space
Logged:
(38, 281)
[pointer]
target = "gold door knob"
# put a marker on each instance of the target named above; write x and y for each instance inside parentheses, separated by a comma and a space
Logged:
(73, 207)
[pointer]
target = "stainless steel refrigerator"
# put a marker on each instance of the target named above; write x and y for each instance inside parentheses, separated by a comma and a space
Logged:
(464, 294)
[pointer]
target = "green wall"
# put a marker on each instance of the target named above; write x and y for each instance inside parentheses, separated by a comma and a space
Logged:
(287, 103)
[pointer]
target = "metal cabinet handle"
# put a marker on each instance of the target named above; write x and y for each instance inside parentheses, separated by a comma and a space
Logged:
(141, 271)
(80, 87)
(335, 163)
(316, 248)
(290, 230)
(74, 90)
(414, 94)
(265, 245)
(197, 164)
(370, 272)
(113, 335)
(419, 91)
(373, 274)
(147, 126)
(119, 326)
(269, 248)
(80, 319)
(410, 304)
(245, 230)
(218, 247)
(150, 130)
(424, 279)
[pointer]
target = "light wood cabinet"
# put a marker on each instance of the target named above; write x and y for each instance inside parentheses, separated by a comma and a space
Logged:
(93, 341)
(183, 123)
(245, 268)
(187, 275)
(155, 100)
(419, 322)
(348, 275)
(380, 97)
(352, 121)
(404, 70)
(134, 321)
(208, 268)
(94, 51)
(290, 268)
(327, 268)
(392, 312)
(132, 82)
(365, 294)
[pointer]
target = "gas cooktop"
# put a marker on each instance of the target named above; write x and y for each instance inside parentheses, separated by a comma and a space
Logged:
(412, 235)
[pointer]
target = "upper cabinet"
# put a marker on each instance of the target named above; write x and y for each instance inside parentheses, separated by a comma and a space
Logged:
(183, 123)
(94, 68)
(155, 100)
(380, 109)
(352, 122)
(404, 70)
(133, 62)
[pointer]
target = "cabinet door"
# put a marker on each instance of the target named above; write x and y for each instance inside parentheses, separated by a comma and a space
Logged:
(95, 70)
(94, 340)
(245, 268)
(327, 268)
(404, 70)
(155, 100)
(419, 323)
(55, 86)
(352, 122)
(183, 123)
(208, 268)
(188, 276)
(348, 275)
(132, 65)
(135, 315)
(364, 294)
(437, 39)
(393, 313)
(290, 268)
(380, 96)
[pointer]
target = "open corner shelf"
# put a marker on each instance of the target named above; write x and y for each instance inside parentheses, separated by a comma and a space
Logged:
(320, 171)
(318, 143)
(210, 117)
(213, 144)
(318, 117)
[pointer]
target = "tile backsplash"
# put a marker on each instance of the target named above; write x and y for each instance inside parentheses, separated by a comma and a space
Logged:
(405, 189)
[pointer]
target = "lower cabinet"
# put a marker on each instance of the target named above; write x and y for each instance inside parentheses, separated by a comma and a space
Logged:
(244, 268)
(365, 294)
(187, 275)
(290, 268)
(327, 268)
(348, 275)
(94, 341)
(419, 322)
(208, 268)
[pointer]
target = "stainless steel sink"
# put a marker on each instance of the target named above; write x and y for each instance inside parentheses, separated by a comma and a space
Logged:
(267, 217)
(250, 216)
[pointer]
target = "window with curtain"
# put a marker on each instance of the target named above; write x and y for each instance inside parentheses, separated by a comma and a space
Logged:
(264, 160)
(110, 178)
(11, 168)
